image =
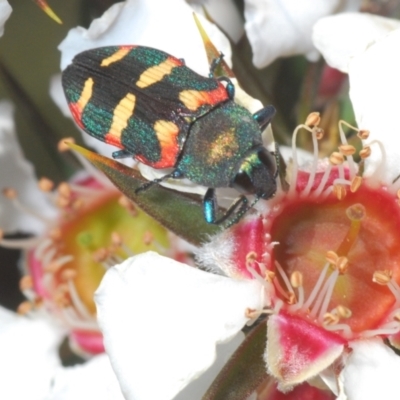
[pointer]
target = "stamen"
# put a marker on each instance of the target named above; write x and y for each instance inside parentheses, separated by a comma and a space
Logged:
(349, 156)
(26, 283)
(313, 119)
(336, 158)
(317, 286)
(12, 195)
(295, 165)
(355, 183)
(324, 179)
(46, 185)
(314, 166)
(347, 149)
(365, 152)
(339, 191)
(24, 308)
(363, 134)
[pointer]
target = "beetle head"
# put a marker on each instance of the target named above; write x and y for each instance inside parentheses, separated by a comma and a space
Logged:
(257, 174)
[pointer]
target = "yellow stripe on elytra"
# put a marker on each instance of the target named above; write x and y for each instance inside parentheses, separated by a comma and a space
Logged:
(86, 94)
(166, 132)
(156, 73)
(122, 112)
(118, 55)
(192, 99)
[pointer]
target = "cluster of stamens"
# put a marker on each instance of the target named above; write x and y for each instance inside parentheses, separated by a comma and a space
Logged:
(288, 292)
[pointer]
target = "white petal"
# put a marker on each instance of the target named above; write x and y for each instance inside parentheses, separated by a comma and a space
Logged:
(162, 319)
(148, 23)
(92, 380)
(374, 92)
(371, 372)
(277, 28)
(340, 37)
(5, 12)
(197, 388)
(225, 14)
(18, 173)
(29, 356)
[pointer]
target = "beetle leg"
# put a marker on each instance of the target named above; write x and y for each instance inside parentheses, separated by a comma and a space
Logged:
(121, 154)
(214, 65)
(176, 174)
(210, 206)
(264, 116)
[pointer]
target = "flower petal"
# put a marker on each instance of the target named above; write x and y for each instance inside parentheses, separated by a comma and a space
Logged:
(340, 37)
(371, 372)
(374, 92)
(5, 12)
(16, 172)
(161, 320)
(29, 355)
(93, 380)
(283, 28)
(148, 23)
(298, 350)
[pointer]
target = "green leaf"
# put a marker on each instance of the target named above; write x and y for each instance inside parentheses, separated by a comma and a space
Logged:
(245, 371)
(179, 212)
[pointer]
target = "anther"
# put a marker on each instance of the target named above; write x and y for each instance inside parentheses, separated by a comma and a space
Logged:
(330, 319)
(382, 277)
(64, 189)
(331, 257)
(100, 255)
(148, 238)
(342, 264)
(355, 184)
(251, 257)
(339, 191)
(296, 279)
(336, 158)
(63, 144)
(68, 274)
(319, 132)
(10, 193)
(26, 283)
(363, 134)
(269, 276)
(347, 149)
(45, 184)
(116, 239)
(24, 308)
(313, 119)
(365, 152)
(291, 298)
(343, 312)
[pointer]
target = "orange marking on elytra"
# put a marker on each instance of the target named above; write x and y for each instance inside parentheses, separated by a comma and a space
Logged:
(194, 99)
(167, 135)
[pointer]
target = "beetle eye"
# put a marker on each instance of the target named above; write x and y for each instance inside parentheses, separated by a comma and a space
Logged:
(243, 182)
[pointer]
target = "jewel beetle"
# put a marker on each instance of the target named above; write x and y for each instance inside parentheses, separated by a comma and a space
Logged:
(163, 114)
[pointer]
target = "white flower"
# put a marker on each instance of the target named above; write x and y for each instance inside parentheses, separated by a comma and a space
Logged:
(365, 47)
(175, 316)
(20, 175)
(281, 28)
(31, 368)
(5, 12)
